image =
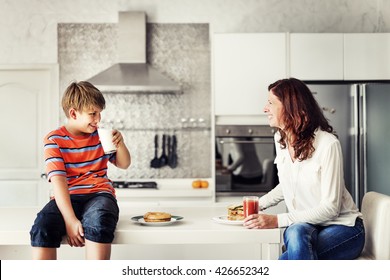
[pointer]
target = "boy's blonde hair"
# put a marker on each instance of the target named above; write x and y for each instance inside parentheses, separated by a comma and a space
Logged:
(82, 96)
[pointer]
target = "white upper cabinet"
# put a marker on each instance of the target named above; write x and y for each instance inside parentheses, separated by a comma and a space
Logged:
(316, 56)
(367, 56)
(243, 66)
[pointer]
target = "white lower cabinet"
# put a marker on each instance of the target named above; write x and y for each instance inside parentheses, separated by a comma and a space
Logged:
(243, 66)
(24, 193)
(29, 101)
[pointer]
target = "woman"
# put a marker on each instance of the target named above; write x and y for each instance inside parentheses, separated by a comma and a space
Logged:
(322, 220)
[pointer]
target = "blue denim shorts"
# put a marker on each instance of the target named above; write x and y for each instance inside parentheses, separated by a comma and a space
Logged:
(98, 214)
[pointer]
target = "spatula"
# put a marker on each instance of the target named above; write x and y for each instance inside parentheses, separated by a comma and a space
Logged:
(163, 158)
(169, 150)
(173, 161)
(155, 163)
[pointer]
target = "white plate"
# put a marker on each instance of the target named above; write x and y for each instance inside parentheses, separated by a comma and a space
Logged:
(140, 220)
(224, 220)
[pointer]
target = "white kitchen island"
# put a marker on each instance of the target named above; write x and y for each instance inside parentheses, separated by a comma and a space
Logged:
(196, 229)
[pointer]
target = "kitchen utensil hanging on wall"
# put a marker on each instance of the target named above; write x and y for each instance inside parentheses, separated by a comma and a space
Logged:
(169, 150)
(155, 163)
(163, 158)
(173, 159)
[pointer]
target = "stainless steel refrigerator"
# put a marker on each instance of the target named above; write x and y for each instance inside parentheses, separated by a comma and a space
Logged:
(360, 114)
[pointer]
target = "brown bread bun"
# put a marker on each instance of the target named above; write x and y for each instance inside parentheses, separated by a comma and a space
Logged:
(156, 217)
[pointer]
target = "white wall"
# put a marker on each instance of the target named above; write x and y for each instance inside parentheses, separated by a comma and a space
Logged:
(28, 28)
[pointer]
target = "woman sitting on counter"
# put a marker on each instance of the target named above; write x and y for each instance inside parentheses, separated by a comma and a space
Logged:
(322, 221)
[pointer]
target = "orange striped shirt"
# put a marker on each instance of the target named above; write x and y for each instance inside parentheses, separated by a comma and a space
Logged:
(80, 159)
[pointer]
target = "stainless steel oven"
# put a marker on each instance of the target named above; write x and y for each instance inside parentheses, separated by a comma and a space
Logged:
(244, 159)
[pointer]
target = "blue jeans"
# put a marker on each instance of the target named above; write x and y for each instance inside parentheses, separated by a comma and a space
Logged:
(98, 213)
(305, 241)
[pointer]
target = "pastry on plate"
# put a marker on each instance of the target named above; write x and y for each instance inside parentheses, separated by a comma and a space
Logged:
(156, 217)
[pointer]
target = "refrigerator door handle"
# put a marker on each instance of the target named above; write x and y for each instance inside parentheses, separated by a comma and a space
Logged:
(356, 144)
(362, 145)
(363, 133)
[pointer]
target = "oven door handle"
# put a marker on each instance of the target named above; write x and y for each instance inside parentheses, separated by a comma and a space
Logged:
(245, 142)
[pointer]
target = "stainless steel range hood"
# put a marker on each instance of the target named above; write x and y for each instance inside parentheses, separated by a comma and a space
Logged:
(132, 73)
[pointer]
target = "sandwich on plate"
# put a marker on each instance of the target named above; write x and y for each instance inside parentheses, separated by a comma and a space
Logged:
(235, 212)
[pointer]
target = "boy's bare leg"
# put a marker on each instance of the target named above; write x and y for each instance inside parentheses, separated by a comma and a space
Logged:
(97, 251)
(42, 253)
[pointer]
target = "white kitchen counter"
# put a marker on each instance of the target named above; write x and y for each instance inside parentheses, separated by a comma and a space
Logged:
(168, 190)
(197, 227)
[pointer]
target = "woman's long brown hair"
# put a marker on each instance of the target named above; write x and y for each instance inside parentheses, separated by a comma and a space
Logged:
(301, 116)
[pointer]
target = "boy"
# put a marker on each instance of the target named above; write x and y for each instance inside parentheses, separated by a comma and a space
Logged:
(84, 207)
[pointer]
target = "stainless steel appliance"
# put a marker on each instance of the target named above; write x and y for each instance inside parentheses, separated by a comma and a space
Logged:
(134, 185)
(133, 73)
(360, 114)
(244, 159)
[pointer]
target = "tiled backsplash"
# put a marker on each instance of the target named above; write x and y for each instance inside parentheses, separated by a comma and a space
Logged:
(181, 52)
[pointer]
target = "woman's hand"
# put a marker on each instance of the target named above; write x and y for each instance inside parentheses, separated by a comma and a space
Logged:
(261, 221)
